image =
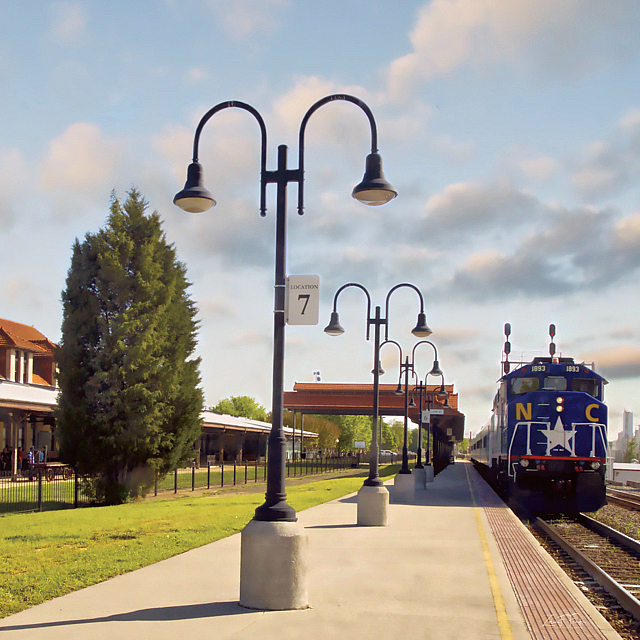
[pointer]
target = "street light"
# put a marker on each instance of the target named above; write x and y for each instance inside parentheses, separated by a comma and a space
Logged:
(441, 393)
(373, 497)
(402, 485)
(256, 582)
(435, 371)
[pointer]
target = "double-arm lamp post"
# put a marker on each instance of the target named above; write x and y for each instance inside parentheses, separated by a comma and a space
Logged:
(402, 484)
(269, 564)
(373, 497)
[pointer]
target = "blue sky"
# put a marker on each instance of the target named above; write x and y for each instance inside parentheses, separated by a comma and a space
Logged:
(510, 128)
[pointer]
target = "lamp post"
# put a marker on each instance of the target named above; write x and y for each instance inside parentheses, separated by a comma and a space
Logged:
(402, 485)
(435, 371)
(269, 562)
(373, 497)
(443, 394)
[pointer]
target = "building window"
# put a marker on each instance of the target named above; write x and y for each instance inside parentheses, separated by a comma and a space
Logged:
(18, 362)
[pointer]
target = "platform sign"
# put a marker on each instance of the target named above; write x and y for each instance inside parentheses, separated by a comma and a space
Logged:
(359, 444)
(427, 413)
(302, 300)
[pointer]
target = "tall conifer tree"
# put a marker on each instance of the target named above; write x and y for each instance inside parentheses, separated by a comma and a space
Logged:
(130, 398)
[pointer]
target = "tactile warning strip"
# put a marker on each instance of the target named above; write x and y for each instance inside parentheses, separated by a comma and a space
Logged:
(550, 610)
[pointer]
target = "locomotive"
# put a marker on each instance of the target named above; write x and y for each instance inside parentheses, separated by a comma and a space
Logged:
(545, 446)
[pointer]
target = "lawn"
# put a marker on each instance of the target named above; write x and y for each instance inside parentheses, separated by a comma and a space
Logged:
(46, 555)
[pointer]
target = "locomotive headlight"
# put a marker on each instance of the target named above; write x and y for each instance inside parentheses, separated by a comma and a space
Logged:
(595, 465)
(559, 408)
(559, 400)
(524, 463)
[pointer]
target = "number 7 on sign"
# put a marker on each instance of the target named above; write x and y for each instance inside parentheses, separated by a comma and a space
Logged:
(302, 300)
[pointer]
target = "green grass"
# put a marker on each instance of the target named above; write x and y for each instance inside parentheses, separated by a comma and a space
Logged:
(46, 555)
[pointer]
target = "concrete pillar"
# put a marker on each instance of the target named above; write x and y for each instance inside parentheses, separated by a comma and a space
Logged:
(404, 487)
(420, 478)
(273, 566)
(373, 503)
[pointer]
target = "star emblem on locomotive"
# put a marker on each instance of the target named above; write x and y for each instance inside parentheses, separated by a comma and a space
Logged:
(558, 437)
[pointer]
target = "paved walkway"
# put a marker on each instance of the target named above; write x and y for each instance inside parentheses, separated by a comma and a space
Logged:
(433, 573)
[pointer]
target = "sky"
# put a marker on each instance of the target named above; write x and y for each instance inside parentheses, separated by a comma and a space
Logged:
(510, 129)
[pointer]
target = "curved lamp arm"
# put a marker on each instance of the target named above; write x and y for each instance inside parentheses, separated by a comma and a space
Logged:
(334, 328)
(435, 370)
(303, 126)
(421, 330)
(194, 195)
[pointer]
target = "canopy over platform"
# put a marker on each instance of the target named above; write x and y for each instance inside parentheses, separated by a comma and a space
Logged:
(320, 398)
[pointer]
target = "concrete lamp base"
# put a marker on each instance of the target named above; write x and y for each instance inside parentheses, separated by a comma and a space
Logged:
(420, 478)
(372, 506)
(429, 469)
(404, 487)
(273, 566)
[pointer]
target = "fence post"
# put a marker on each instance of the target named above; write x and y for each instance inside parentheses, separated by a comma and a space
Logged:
(255, 473)
(209, 475)
(245, 472)
(156, 485)
(221, 471)
(175, 481)
(193, 478)
(39, 489)
(235, 464)
(75, 489)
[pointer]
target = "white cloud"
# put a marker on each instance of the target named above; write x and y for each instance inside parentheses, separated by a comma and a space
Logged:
(554, 36)
(539, 168)
(82, 159)
(464, 208)
(243, 19)
(349, 129)
(68, 23)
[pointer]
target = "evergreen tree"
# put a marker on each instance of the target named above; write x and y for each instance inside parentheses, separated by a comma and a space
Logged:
(130, 399)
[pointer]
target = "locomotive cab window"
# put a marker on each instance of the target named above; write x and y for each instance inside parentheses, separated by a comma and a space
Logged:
(524, 385)
(557, 383)
(586, 385)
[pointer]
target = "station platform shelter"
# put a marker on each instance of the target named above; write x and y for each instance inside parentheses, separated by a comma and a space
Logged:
(446, 423)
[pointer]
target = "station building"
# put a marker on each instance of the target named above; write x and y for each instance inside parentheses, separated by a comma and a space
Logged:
(29, 395)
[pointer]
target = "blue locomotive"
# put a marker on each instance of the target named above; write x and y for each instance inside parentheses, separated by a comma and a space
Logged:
(545, 445)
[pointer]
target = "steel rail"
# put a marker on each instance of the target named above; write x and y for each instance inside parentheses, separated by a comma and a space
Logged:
(626, 600)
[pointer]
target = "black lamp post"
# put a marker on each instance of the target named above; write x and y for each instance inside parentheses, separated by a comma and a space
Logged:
(421, 330)
(435, 371)
(431, 398)
(373, 190)
(408, 367)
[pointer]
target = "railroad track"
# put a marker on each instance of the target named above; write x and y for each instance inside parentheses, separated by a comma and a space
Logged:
(625, 499)
(611, 558)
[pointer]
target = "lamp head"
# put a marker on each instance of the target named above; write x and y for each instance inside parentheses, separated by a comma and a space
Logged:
(442, 393)
(435, 370)
(399, 391)
(374, 189)
(412, 402)
(194, 198)
(421, 330)
(334, 328)
(380, 369)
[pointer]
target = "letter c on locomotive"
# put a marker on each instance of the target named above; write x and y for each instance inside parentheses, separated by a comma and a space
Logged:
(588, 411)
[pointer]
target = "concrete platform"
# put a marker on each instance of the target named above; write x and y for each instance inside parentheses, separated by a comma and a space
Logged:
(435, 572)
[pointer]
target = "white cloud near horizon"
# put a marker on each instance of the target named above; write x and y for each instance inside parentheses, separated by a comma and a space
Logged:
(558, 37)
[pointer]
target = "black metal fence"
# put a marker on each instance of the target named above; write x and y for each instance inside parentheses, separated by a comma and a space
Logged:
(42, 491)
(234, 473)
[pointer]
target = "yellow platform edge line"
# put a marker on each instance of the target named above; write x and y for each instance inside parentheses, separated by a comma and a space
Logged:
(498, 600)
